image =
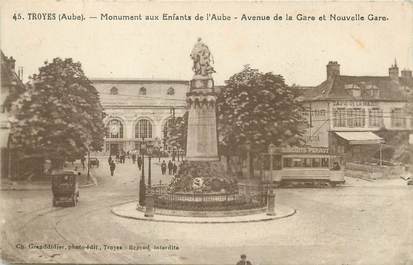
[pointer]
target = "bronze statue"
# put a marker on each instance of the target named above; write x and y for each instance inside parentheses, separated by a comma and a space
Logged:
(201, 56)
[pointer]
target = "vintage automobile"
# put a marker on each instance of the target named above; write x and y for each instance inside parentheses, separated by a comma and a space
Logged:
(65, 187)
(93, 161)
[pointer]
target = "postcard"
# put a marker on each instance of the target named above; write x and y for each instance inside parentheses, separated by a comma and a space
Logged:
(206, 132)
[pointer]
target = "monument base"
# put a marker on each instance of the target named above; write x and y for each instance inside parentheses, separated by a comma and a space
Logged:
(202, 176)
(202, 158)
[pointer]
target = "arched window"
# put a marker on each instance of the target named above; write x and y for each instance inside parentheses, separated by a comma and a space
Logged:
(142, 91)
(143, 129)
(114, 129)
(171, 91)
(114, 91)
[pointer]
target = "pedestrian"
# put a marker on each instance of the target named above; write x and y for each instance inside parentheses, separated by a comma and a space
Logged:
(170, 167)
(112, 168)
(117, 157)
(163, 167)
(109, 160)
(139, 162)
(244, 260)
(174, 168)
(133, 158)
(82, 160)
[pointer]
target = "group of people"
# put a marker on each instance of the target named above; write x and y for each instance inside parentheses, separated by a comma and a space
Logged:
(172, 168)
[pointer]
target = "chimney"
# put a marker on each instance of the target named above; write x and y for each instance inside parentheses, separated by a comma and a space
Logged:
(394, 71)
(12, 63)
(406, 73)
(333, 69)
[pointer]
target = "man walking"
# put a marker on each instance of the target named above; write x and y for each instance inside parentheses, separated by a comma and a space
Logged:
(133, 158)
(174, 168)
(112, 168)
(109, 160)
(170, 167)
(139, 162)
(163, 167)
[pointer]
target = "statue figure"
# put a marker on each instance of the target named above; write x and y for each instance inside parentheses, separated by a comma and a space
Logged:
(201, 56)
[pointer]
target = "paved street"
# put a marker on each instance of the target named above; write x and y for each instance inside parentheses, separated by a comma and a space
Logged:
(360, 223)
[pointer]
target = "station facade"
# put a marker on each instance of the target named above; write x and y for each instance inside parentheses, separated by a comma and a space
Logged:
(356, 116)
(138, 110)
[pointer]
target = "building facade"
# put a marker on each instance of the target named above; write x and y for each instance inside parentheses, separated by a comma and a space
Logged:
(11, 86)
(355, 115)
(138, 111)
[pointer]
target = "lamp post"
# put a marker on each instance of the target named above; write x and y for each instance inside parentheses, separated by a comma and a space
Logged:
(249, 166)
(270, 192)
(88, 165)
(149, 200)
(142, 187)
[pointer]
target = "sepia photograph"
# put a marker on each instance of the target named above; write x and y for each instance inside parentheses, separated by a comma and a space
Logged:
(206, 132)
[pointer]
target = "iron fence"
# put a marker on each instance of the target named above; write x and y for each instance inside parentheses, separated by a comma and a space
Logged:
(247, 197)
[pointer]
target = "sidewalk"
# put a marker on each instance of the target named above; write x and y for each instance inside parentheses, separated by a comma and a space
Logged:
(129, 211)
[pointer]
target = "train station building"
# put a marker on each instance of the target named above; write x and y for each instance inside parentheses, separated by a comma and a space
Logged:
(138, 110)
(359, 117)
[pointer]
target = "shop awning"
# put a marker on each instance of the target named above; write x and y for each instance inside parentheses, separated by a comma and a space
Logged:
(360, 137)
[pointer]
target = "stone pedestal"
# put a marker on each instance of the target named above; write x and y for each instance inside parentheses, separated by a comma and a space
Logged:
(202, 142)
(271, 202)
(149, 205)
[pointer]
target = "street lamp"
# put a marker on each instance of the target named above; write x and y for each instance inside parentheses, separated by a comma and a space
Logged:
(250, 169)
(142, 187)
(149, 200)
(270, 192)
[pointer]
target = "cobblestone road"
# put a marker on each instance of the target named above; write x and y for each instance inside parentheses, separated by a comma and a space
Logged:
(359, 223)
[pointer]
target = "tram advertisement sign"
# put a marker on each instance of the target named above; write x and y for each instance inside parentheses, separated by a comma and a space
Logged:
(305, 150)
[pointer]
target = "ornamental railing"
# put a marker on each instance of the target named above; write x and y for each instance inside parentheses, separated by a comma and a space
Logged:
(246, 197)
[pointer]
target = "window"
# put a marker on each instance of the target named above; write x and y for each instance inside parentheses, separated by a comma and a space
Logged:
(353, 90)
(142, 91)
(339, 117)
(397, 118)
(114, 91)
(359, 117)
(287, 162)
(114, 129)
(316, 162)
(372, 91)
(171, 91)
(324, 162)
(143, 129)
(355, 118)
(375, 117)
(305, 162)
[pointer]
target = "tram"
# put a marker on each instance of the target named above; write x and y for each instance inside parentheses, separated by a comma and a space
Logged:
(301, 166)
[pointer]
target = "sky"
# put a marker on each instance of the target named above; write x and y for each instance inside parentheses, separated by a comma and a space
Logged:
(298, 50)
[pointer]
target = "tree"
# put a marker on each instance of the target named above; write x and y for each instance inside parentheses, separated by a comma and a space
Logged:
(177, 132)
(59, 116)
(257, 108)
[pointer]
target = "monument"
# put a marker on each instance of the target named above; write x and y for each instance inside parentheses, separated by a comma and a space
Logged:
(202, 126)
(202, 170)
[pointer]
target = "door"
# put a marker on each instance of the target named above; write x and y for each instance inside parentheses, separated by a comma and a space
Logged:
(114, 149)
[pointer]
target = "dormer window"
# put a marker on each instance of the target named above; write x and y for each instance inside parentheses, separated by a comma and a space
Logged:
(171, 91)
(114, 91)
(353, 90)
(372, 91)
(142, 91)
